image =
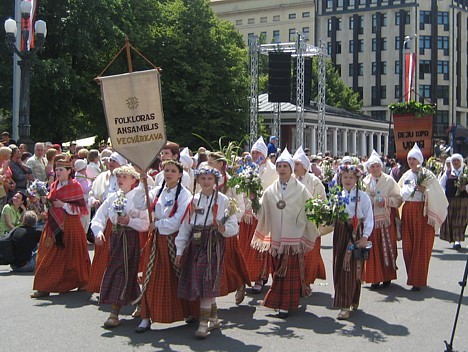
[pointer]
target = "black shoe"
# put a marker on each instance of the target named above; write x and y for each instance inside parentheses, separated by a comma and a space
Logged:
(141, 330)
(415, 289)
(456, 246)
(375, 286)
(257, 290)
(386, 283)
(283, 314)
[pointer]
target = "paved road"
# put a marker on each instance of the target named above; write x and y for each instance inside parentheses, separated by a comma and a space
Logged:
(392, 319)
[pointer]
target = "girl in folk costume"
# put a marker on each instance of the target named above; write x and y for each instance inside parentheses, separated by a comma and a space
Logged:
(258, 263)
(384, 193)
(187, 162)
(170, 202)
(120, 282)
(284, 231)
(314, 266)
(63, 261)
(347, 269)
(453, 229)
(424, 210)
(204, 238)
(235, 274)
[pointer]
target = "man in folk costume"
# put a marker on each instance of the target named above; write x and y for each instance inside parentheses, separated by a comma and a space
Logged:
(285, 233)
(347, 268)
(454, 227)
(258, 263)
(119, 285)
(62, 260)
(314, 267)
(384, 193)
(424, 211)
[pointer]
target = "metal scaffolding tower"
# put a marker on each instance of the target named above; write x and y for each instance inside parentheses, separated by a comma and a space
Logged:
(299, 49)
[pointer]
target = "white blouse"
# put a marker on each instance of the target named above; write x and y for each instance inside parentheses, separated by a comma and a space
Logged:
(408, 183)
(364, 209)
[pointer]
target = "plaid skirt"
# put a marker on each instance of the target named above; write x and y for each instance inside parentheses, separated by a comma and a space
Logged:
(160, 302)
(235, 272)
(143, 242)
(381, 265)
(118, 288)
(63, 269)
(314, 266)
(285, 291)
(100, 261)
(258, 264)
(417, 240)
(202, 271)
(454, 227)
(347, 283)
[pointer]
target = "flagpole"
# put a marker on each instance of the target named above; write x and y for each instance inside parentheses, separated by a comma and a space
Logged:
(16, 80)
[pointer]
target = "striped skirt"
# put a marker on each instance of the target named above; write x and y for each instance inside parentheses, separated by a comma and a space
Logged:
(454, 227)
(417, 242)
(235, 273)
(286, 290)
(381, 265)
(314, 266)
(203, 268)
(347, 283)
(258, 264)
(100, 261)
(120, 282)
(63, 269)
(160, 302)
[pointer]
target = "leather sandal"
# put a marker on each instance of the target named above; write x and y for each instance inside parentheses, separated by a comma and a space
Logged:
(39, 294)
(240, 295)
(137, 312)
(343, 314)
(111, 322)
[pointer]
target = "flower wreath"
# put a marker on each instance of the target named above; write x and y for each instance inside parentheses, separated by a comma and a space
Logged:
(208, 170)
(351, 168)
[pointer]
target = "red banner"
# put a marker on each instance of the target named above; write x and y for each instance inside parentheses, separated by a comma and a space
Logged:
(410, 62)
(410, 129)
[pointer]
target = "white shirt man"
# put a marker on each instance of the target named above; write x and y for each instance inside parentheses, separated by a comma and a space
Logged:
(38, 162)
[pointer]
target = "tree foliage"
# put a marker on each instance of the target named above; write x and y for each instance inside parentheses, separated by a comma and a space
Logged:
(204, 77)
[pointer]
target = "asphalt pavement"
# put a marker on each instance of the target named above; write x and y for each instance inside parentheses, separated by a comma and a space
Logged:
(390, 319)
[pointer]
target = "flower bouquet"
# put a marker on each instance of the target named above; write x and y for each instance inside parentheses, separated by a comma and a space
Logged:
(231, 209)
(434, 165)
(423, 176)
(462, 181)
(327, 171)
(37, 193)
(326, 212)
(248, 181)
(119, 204)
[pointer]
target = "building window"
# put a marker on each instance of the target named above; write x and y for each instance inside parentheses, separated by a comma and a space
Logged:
(443, 43)
(339, 3)
(397, 43)
(351, 22)
(306, 14)
(250, 36)
(329, 4)
(443, 19)
(276, 18)
(442, 92)
(351, 3)
(424, 67)
(238, 22)
(360, 69)
(338, 68)
(263, 19)
(329, 48)
(292, 34)
(276, 36)
(383, 43)
(338, 23)
(338, 47)
(263, 36)
(361, 24)
(360, 45)
(383, 19)
(351, 69)
(424, 43)
(292, 16)
(374, 23)
(397, 67)
(425, 91)
(305, 32)
(374, 44)
(443, 68)
(406, 18)
(397, 92)
(329, 26)
(424, 18)
(374, 68)
(351, 46)
(251, 21)
(383, 68)
(379, 115)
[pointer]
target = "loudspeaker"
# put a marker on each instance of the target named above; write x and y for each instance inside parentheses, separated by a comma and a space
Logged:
(279, 77)
(307, 81)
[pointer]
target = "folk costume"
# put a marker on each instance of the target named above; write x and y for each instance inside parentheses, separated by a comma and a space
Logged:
(314, 266)
(63, 260)
(422, 213)
(204, 248)
(258, 263)
(454, 227)
(159, 301)
(347, 268)
(381, 265)
(284, 232)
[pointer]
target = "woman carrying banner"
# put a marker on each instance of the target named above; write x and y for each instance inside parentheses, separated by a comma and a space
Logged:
(384, 193)
(424, 210)
(454, 227)
(63, 261)
(203, 240)
(284, 232)
(170, 202)
(119, 285)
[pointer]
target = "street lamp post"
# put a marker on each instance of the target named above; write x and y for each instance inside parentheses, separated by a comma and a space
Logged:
(407, 39)
(27, 56)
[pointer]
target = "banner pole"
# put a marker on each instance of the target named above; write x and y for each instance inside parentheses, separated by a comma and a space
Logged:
(129, 55)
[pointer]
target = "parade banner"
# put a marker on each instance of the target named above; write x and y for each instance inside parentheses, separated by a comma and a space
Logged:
(134, 115)
(410, 129)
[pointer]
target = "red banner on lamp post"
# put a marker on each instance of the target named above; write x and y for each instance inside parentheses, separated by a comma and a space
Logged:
(410, 129)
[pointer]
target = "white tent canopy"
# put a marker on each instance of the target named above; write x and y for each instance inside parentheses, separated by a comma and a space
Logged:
(84, 142)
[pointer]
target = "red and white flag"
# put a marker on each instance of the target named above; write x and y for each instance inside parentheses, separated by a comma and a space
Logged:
(410, 63)
(26, 24)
